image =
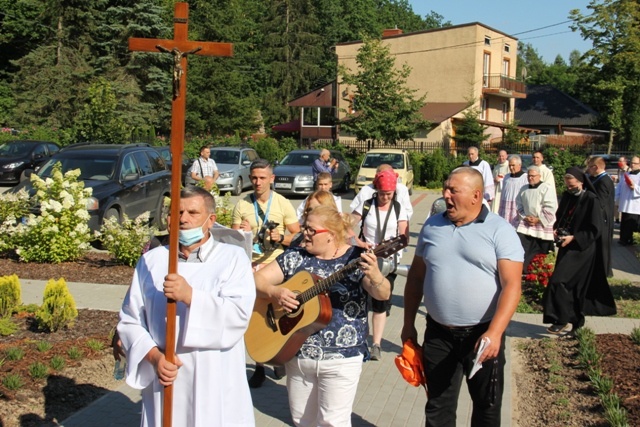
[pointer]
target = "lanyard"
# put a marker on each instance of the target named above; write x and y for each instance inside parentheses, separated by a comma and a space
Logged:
(258, 210)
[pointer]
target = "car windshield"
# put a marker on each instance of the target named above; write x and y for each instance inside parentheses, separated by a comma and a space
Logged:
(101, 169)
(373, 160)
(228, 157)
(299, 159)
(15, 149)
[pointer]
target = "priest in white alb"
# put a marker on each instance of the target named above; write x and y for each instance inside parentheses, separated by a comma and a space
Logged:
(511, 185)
(537, 205)
(215, 294)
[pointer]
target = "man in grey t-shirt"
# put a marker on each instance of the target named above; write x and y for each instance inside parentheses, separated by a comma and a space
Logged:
(468, 267)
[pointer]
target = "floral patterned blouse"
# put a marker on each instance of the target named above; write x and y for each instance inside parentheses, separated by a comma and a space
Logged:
(346, 333)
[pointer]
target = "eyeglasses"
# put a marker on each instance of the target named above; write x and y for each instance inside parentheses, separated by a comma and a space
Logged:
(312, 232)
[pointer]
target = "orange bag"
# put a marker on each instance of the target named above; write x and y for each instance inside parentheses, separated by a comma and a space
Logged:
(409, 364)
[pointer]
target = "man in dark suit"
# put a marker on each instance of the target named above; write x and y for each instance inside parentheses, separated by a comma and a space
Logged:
(604, 189)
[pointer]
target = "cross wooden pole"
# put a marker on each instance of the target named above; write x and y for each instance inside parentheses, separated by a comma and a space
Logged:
(179, 47)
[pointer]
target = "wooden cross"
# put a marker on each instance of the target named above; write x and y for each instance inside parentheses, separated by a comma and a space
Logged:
(179, 47)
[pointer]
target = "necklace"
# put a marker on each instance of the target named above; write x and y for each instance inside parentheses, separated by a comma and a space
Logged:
(336, 252)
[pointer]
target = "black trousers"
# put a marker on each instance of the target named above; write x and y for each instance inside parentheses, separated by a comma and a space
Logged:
(448, 355)
(628, 225)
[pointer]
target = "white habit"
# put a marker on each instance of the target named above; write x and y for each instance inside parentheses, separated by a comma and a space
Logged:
(211, 388)
(485, 169)
(500, 169)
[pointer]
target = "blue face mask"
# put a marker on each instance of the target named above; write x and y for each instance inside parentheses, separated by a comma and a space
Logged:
(191, 236)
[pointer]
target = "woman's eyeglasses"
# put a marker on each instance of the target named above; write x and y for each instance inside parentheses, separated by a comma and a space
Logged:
(312, 232)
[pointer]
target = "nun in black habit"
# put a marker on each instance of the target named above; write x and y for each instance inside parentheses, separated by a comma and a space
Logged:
(578, 286)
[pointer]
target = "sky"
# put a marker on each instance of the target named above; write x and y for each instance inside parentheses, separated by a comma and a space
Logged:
(517, 16)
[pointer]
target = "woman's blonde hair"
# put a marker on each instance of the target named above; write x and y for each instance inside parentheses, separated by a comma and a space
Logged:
(338, 224)
(323, 197)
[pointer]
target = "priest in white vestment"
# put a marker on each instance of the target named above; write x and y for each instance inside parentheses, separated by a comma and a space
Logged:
(500, 170)
(215, 294)
(537, 206)
(511, 186)
(485, 169)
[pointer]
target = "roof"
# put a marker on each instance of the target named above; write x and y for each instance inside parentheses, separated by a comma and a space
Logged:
(438, 112)
(433, 30)
(548, 106)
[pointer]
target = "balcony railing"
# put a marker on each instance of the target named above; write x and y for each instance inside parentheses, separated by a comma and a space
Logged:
(499, 83)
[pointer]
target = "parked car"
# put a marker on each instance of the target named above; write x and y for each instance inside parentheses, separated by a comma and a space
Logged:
(165, 152)
(19, 158)
(398, 159)
(294, 174)
(233, 164)
(126, 179)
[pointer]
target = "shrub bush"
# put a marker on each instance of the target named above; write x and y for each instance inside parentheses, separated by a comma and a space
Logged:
(10, 296)
(125, 240)
(58, 306)
(61, 232)
(561, 159)
(272, 149)
(7, 327)
(13, 207)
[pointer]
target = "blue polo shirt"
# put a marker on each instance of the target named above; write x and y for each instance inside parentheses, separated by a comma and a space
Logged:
(461, 285)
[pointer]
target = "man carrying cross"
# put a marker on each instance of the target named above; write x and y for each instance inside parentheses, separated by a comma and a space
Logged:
(155, 362)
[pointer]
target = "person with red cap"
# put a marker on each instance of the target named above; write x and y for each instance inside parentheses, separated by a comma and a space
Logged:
(382, 218)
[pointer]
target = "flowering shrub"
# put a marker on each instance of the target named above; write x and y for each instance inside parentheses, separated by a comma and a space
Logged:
(61, 232)
(13, 206)
(539, 272)
(125, 240)
(224, 210)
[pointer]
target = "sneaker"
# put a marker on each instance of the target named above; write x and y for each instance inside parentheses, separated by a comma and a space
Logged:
(257, 378)
(375, 352)
(557, 328)
(279, 372)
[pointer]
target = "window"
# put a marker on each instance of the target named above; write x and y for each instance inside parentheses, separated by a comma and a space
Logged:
(157, 162)
(483, 109)
(128, 166)
(487, 41)
(506, 66)
(486, 61)
(143, 163)
(318, 116)
(505, 112)
(507, 48)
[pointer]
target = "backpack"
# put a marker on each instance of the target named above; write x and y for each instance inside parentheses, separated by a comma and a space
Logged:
(367, 207)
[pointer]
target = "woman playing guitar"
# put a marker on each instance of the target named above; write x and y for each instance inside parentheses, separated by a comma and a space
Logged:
(322, 378)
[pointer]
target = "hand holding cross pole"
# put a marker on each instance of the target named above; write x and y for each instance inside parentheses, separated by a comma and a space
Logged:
(180, 47)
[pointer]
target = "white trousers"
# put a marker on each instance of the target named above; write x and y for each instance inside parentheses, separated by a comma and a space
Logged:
(321, 393)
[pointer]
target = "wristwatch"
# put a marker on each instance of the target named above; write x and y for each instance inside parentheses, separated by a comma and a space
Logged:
(281, 238)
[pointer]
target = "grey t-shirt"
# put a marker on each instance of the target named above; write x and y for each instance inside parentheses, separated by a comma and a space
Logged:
(461, 284)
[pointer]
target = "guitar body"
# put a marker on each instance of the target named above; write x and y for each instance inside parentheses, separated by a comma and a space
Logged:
(275, 336)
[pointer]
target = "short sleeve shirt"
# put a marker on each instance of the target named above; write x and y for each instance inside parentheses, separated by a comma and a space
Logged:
(346, 333)
(461, 284)
(204, 167)
(281, 211)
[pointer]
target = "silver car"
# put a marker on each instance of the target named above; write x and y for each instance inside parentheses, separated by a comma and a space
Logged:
(233, 164)
(294, 174)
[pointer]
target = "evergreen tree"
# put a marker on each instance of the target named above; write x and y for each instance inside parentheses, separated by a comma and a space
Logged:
(469, 131)
(386, 108)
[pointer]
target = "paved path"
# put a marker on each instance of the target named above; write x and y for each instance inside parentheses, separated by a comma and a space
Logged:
(383, 398)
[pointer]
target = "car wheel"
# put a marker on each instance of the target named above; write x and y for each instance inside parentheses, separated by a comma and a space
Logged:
(111, 213)
(237, 190)
(346, 184)
(160, 218)
(25, 175)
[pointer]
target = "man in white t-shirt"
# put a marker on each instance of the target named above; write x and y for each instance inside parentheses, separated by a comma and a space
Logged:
(205, 169)
(382, 218)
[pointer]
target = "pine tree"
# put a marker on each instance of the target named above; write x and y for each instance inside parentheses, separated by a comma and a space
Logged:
(469, 131)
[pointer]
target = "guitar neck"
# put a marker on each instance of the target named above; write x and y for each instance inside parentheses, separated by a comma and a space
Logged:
(325, 284)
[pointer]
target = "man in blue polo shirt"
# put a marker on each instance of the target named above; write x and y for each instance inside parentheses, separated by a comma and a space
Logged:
(468, 267)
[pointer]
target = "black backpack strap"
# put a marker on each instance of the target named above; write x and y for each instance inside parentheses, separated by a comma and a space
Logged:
(366, 207)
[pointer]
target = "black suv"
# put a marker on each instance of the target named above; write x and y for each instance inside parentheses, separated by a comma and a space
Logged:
(126, 179)
(19, 158)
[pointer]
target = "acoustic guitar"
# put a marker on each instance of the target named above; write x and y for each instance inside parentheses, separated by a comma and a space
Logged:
(275, 336)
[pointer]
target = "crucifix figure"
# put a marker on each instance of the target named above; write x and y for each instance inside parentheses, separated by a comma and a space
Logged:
(179, 47)
(178, 71)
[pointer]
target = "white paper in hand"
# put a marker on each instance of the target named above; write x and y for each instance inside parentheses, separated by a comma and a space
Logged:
(476, 362)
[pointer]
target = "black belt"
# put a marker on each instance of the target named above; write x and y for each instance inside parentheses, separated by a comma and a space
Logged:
(458, 328)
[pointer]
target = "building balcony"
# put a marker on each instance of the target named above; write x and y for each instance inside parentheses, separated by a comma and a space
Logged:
(503, 86)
